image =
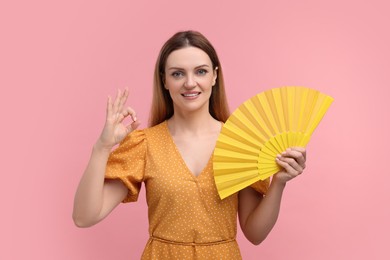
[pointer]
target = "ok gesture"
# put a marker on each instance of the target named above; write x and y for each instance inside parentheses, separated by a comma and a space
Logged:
(114, 130)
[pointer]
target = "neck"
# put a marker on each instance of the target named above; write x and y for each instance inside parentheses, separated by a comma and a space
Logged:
(192, 123)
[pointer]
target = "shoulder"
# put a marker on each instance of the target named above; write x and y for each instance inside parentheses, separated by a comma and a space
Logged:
(145, 133)
(155, 130)
(156, 139)
(151, 136)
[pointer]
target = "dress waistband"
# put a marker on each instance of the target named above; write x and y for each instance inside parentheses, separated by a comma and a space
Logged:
(192, 243)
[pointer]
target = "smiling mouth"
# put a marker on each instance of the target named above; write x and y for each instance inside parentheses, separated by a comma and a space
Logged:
(191, 94)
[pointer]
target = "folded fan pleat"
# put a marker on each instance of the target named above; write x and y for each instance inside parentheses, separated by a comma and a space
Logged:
(259, 129)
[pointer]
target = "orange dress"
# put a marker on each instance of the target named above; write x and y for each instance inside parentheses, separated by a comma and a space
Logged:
(187, 219)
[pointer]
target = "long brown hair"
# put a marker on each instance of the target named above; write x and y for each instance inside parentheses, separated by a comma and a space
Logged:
(162, 104)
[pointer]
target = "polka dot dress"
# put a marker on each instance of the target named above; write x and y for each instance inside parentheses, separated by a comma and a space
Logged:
(187, 219)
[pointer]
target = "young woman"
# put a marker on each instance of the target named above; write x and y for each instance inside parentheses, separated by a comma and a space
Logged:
(173, 157)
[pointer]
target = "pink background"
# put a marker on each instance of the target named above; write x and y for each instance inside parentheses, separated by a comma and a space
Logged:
(60, 59)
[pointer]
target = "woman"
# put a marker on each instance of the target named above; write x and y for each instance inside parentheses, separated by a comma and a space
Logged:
(173, 157)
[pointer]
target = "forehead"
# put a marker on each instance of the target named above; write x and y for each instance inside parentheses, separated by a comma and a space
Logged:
(188, 57)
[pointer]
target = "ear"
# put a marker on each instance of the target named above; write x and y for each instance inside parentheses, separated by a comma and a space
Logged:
(215, 75)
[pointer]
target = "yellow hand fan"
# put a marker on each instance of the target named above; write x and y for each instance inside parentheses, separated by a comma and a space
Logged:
(259, 129)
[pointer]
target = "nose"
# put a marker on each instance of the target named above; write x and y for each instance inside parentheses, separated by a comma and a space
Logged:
(190, 81)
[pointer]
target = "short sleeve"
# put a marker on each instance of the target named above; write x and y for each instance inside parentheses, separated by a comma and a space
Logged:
(261, 186)
(127, 163)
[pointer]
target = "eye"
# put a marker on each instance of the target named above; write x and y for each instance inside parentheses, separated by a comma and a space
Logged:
(202, 72)
(177, 74)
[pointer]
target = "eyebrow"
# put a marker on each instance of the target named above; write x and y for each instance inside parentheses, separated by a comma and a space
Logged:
(197, 67)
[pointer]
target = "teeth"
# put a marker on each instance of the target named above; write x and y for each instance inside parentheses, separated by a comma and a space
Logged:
(191, 95)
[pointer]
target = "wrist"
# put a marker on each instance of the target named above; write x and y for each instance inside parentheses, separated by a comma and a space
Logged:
(279, 182)
(99, 146)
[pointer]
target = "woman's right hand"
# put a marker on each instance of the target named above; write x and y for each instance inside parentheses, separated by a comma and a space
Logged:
(114, 130)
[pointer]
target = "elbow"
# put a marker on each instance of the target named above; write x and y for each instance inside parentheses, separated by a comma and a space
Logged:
(256, 239)
(254, 236)
(256, 242)
(78, 223)
(81, 223)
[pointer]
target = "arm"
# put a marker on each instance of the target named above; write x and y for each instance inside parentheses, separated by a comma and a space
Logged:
(95, 198)
(258, 214)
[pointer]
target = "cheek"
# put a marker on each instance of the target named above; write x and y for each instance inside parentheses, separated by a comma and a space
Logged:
(172, 84)
(208, 83)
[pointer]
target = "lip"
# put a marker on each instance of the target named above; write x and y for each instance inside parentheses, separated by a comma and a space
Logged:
(191, 94)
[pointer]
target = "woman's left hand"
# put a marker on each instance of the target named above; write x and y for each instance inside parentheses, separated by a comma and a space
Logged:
(293, 162)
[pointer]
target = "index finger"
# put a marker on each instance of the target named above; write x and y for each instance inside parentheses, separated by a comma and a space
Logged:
(300, 149)
(297, 154)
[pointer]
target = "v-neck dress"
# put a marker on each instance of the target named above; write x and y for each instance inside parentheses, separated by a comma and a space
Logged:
(187, 219)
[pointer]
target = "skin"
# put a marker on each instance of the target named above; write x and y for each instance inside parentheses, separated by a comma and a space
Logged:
(193, 129)
(189, 78)
(258, 214)
(95, 198)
